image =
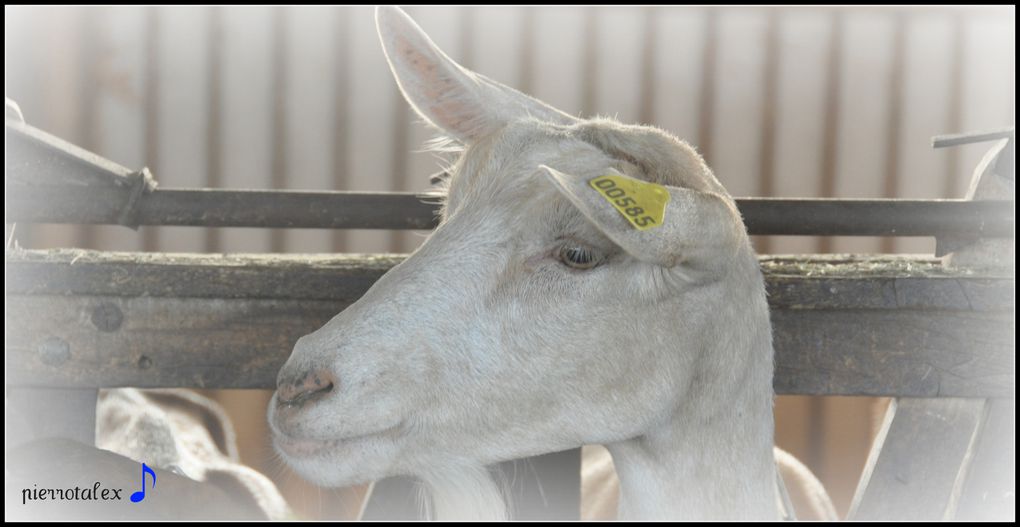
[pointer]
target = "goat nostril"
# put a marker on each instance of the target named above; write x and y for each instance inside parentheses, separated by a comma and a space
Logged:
(311, 386)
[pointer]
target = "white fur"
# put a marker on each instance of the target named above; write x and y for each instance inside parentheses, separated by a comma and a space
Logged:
(600, 487)
(463, 493)
(810, 499)
(484, 346)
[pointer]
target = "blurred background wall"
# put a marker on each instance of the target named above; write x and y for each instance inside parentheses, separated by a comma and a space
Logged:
(798, 102)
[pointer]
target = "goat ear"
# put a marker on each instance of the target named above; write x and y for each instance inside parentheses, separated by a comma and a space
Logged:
(662, 225)
(462, 103)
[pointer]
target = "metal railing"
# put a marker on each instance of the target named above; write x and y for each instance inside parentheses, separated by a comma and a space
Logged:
(51, 181)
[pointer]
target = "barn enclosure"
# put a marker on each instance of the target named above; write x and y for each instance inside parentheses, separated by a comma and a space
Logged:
(792, 104)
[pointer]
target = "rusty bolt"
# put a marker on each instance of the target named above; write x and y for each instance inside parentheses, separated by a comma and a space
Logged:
(107, 317)
(54, 351)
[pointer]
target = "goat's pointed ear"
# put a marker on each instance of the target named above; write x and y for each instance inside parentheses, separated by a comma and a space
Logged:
(662, 225)
(462, 103)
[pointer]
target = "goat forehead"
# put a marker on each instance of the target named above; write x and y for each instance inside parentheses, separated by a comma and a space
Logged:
(502, 169)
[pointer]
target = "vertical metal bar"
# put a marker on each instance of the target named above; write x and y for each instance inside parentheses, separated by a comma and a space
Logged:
(649, 53)
(527, 56)
(466, 36)
(278, 178)
(706, 110)
(816, 436)
(830, 126)
(88, 102)
(401, 126)
(955, 102)
(341, 102)
(1010, 77)
(213, 138)
(769, 128)
(894, 117)
(15, 85)
(589, 62)
(150, 235)
(827, 188)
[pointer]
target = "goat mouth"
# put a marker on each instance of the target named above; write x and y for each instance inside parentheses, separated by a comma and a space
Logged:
(307, 447)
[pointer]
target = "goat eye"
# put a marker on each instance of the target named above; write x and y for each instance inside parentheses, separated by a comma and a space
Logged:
(578, 257)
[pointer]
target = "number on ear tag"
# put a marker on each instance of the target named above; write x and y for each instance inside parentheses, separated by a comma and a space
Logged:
(643, 204)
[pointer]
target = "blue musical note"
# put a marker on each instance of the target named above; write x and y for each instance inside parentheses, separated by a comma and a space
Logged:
(140, 495)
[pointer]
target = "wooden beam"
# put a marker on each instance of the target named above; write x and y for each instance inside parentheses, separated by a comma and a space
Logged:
(842, 326)
(794, 282)
(891, 353)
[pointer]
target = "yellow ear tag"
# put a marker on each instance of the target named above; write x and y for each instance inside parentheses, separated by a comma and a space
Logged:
(643, 204)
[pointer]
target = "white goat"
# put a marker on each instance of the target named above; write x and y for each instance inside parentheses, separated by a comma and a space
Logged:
(544, 313)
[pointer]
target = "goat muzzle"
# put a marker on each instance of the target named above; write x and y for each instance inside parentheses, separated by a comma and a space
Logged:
(309, 387)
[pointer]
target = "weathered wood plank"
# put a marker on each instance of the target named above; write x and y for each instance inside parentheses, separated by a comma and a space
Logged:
(815, 282)
(341, 278)
(921, 353)
(159, 342)
(918, 455)
(231, 322)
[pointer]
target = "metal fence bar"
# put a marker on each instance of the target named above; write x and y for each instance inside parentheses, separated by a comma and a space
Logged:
(894, 116)
(400, 135)
(954, 106)
(281, 43)
(466, 36)
(151, 98)
(830, 133)
(769, 123)
(969, 138)
(706, 107)
(87, 125)
(214, 117)
(342, 102)
(406, 210)
(878, 217)
(526, 57)
(649, 56)
(589, 62)
(51, 181)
